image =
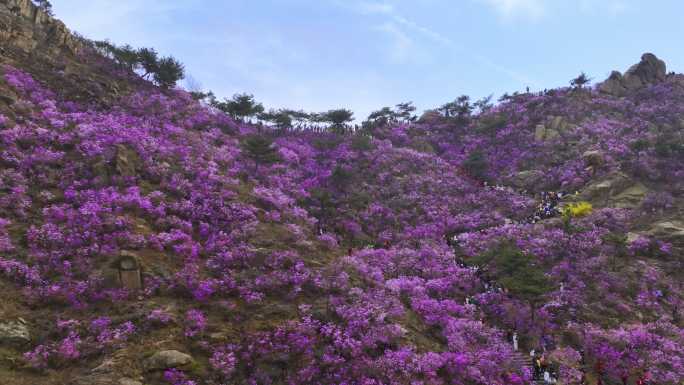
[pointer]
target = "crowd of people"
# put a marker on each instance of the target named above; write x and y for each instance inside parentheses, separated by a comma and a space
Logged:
(549, 206)
(543, 369)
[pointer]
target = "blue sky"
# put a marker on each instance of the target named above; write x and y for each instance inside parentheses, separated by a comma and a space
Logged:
(365, 54)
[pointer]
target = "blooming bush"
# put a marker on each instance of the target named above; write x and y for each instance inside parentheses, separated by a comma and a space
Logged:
(579, 209)
(354, 259)
(195, 322)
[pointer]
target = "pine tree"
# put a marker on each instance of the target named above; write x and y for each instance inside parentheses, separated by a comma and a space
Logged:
(45, 5)
(243, 106)
(405, 112)
(127, 57)
(518, 272)
(339, 119)
(149, 61)
(580, 81)
(169, 71)
(260, 150)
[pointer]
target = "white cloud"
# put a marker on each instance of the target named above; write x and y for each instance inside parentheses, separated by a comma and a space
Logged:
(427, 32)
(510, 9)
(404, 31)
(402, 44)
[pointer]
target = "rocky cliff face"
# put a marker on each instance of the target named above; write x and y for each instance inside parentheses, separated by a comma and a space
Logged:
(30, 29)
(649, 71)
(41, 44)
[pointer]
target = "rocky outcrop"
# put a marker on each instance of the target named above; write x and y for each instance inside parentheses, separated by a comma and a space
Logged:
(631, 197)
(14, 333)
(26, 27)
(614, 190)
(593, 158)
(554, 127)
(541, 133)
(527, 179)
(650, 70)
(167, 359)
(671, 231)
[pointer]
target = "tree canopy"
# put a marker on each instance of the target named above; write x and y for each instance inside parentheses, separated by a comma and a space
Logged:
(520, 273)
(261, 150)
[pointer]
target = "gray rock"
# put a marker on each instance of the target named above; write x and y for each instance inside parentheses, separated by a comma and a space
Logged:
(593, 158)
(631, 237)
(613, 85)
(612, 184)
(128, 381)
(551, 134)
(14, 333)
(671, 231)
(527, 179)
(167, 359)
(650, 70)
(539, 132)
(559, 124)
(631, 197)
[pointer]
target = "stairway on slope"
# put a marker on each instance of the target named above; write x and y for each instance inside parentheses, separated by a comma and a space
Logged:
(525, 361)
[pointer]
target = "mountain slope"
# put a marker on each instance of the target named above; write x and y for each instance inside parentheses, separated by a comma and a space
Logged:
(140, 242)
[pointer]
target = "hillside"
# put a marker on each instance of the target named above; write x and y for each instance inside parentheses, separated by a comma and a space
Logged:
(143, 242)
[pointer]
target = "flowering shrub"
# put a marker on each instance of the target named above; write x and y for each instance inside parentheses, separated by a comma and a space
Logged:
(344, 262)
(176, 377)
(160, 316)
(223, 361)
(195, 322)
(579, 209)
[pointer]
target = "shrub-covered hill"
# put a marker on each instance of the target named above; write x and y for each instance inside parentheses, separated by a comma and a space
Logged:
(146, 238)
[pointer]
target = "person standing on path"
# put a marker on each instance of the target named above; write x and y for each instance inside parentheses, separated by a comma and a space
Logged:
(515, 341)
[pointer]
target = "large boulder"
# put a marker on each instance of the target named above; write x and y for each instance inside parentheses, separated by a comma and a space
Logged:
(541, 133)
(593, 158)
(527, 179)
(650, 70)
(614, 190)
(14, 333)
(671, 231)
(560, 124)
(167, 359)
(602, 190)
(551, 134)
(613, 85)
(631, 197)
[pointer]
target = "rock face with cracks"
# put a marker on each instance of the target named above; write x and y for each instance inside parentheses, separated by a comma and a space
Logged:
(649, 71)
